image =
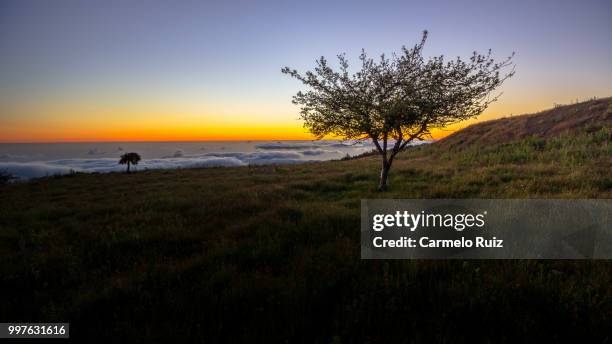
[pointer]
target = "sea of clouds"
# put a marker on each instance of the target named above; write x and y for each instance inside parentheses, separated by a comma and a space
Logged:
(36, 161)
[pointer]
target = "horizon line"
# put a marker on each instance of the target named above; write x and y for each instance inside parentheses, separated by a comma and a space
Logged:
(172, 141)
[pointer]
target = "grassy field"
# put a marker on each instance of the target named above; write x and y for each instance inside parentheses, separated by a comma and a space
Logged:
(272, 252)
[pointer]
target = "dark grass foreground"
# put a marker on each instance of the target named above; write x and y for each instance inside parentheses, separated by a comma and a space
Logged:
(272, 253)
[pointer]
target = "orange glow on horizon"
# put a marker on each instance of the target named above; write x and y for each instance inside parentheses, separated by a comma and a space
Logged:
(228, 134)
(133, 124)
(40, 135)
(161, 134)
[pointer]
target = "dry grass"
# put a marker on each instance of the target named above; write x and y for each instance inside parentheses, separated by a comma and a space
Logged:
(590, 115)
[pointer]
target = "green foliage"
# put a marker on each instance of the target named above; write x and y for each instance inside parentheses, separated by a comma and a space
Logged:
(129, 159)
(396, 100)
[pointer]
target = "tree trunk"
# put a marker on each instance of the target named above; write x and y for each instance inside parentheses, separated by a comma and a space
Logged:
(384, 176)
(128, 171)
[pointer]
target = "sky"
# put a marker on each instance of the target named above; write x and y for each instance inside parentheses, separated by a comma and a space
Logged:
(210, 70)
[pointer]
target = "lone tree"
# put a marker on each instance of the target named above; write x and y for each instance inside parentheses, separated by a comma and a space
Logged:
(394, 101)
(129, 159)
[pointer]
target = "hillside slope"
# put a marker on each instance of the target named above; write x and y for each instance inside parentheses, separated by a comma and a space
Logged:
(272, 253)
(589, 115)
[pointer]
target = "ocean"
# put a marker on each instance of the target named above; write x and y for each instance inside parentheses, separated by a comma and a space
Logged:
(33, 160)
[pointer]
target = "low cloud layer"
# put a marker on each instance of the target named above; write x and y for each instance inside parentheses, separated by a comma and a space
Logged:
(94, 159)
(285, 145)
(27, 170)
(258, 156)
(312, 145)
(37, 169)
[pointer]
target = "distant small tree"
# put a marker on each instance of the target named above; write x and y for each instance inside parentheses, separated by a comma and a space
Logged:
(395, 101)
(129, 159)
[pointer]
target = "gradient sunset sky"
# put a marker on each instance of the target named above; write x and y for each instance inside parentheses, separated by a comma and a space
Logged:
(204, 70)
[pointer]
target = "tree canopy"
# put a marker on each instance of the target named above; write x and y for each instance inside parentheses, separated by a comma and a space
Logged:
(395, 100)
(129, 159)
